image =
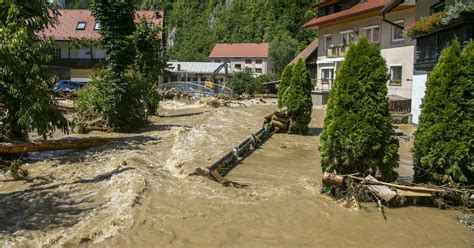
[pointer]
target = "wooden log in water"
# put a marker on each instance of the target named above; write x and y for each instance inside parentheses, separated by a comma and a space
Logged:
(279, 125)
(52, 145)
(281, 119)
(333, 179)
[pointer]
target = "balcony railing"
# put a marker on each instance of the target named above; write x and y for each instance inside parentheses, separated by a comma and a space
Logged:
(324, 85)
(337, 51)
(77, 63)
(429, 46)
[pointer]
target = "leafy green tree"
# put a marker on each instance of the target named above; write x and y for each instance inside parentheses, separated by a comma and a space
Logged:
(283, 49)
(149, 62)
(297, 98)
(285, 81)
(244, 83)
(443, 149)
(357, 129)
(24, 86)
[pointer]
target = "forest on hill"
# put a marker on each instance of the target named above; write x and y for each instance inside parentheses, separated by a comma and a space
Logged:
(193, 27)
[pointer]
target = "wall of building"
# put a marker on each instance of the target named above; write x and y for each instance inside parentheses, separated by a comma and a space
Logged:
(423, 7)
(265, 65)
(418, 92)
(401, 56)
(78, 53)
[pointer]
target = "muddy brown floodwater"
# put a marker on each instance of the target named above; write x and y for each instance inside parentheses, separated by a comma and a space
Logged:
(136, 193)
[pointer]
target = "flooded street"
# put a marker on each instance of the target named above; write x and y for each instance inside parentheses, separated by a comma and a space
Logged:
(138, 194)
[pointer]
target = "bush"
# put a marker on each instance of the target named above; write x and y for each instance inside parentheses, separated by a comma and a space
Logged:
(357, 129)
(244, 83)
(443, 149)
(297, 98)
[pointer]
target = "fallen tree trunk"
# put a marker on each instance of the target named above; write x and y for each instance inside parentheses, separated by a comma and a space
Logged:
(52, 145)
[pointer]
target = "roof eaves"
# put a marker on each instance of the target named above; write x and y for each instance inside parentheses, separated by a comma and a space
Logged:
(343, 17)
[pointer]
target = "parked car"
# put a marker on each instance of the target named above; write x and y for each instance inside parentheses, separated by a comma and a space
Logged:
(68, 85)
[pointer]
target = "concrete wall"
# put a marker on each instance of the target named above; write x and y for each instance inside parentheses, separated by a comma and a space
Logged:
(265, 65)
(418, 92)
(401, 56)
(423, 7)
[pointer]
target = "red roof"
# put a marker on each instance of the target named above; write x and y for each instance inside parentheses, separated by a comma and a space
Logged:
(65, 29)
(241, 50)
(360, 8)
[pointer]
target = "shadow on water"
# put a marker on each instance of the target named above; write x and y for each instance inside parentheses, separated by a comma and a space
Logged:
(44, 208)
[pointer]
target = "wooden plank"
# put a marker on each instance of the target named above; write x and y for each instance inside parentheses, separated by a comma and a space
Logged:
(409, 193)
(218, 177)
(52, 145)
(381, 191)
(412, 188)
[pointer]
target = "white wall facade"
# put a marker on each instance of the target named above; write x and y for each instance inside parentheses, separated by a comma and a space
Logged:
(253, 66)
(395, 52)
(418, 92)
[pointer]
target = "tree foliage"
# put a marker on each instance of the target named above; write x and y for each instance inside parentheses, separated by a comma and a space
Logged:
(357, 129)
(443, 149)
(24, 84)
(297, 97)
(285, 81)
(244, 83)
(124, 92)
(283, 49)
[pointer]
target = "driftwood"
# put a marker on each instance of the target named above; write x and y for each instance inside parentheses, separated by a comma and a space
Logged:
(52, 145)
(333, 179)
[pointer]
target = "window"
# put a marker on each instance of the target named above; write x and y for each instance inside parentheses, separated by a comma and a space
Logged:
(397, 33)
(97, 26)
(248, 61)
(372, 33)
(81, 26)
(218, 60)
(56, 52)
(238, 66)
(347, 37)
(258, 61)
(396, 75)
(258, 70)
(438, 7)
(327, 42)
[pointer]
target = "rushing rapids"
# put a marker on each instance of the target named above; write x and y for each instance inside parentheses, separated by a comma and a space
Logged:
(137, 193)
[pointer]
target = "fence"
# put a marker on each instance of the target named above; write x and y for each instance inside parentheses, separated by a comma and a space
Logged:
(197, 89)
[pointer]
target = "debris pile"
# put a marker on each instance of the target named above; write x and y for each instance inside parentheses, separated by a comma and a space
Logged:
(351, 187)
(280, 120)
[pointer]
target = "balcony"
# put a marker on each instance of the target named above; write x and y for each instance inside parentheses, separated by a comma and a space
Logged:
(324, 85)
(337, 51)
(429, 46)
(77, 63)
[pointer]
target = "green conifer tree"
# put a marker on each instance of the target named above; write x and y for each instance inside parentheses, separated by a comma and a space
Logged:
(297, 98)
(444, 140)
(284, 83)
(357, 129)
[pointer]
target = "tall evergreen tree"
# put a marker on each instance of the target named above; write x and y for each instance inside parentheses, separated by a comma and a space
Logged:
(444, 140)
(24, 85)
(285, 81)
(297, 98)
(357, 129)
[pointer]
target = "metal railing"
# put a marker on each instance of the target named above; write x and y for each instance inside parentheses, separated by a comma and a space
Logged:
(324, 85)
(197, 89)
(337, 51)
(77, 63)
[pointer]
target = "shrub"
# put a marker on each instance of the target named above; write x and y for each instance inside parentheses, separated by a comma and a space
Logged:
(357, 129)
(443, 149)
(244, 83)
(297, 98)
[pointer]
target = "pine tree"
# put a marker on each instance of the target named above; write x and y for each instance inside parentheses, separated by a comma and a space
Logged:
(297, 98)
(357, 129)
(443, 149)
(284, 83)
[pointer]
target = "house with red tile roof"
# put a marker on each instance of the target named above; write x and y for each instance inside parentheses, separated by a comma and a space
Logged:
(341, 22)
(241, 56)
(80, 24)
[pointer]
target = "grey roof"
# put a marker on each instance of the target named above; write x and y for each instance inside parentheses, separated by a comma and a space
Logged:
(195, 67)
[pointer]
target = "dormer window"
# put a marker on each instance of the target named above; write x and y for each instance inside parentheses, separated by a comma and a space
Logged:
(81, 26)
(97, 26)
